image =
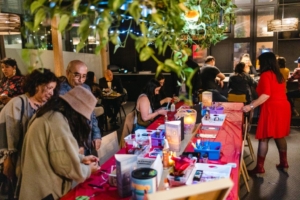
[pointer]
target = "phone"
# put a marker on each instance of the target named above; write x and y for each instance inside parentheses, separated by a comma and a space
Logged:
(198, 175)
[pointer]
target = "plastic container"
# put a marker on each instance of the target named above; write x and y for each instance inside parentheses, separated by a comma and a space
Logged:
(177, 181)
(213, 151)
(157, 138)
(214, 120)
(210, 172)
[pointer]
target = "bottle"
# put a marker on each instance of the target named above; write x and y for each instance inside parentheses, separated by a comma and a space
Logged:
(165, 159)
(173, 107)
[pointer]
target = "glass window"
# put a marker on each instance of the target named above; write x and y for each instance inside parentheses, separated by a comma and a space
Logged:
(242, 2)
(262, 47)
(13, 41)
(242, 26)
(263, 16)
(266, 1)
(239, 50)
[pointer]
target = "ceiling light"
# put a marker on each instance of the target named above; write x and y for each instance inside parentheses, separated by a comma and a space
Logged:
(285, 24)
(9, 24)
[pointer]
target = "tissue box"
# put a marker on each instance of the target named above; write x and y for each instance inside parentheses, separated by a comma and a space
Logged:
(213, 151)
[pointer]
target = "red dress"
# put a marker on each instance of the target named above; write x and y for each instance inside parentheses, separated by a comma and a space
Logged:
(275, 113)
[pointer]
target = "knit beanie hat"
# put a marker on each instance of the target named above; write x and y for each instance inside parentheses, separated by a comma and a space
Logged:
(81, 100)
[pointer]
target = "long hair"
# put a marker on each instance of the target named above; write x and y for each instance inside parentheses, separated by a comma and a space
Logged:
(268, 62)
(149, 90)
(78, 124)
(40, 77)
(13, 63)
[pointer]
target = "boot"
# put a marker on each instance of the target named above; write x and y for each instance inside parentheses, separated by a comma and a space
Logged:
(283, 165)
(259, 170)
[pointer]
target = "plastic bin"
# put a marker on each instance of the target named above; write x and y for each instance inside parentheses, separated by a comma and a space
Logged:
(157, 138)
(213, 151)
(177, 181)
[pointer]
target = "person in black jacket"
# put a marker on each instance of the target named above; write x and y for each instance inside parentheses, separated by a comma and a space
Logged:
(107, 84)
(241, 82)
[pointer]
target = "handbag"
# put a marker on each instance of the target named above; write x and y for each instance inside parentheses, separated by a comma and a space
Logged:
(141, 122)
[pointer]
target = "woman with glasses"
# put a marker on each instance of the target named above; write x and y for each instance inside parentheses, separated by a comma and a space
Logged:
(39, 87)
(11, 83)
(249, 68)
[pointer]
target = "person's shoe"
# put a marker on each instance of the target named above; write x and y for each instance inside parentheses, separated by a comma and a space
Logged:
(259, 170)
(283, 165)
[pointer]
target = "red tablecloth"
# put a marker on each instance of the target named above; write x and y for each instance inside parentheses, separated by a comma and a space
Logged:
(230, 135)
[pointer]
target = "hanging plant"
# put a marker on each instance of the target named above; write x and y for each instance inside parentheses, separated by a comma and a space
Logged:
(163, 23)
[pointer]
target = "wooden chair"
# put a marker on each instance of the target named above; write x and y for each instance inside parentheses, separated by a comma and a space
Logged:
(123, 103)
(109, 146)
(243, 168)
(128, 127)
(242, 99)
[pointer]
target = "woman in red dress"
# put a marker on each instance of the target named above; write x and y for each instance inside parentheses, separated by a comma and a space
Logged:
(275, 113)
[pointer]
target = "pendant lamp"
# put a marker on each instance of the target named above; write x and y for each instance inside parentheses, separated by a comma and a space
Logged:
(9, 24)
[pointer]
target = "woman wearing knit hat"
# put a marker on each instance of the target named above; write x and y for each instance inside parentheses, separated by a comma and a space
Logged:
(50, 157)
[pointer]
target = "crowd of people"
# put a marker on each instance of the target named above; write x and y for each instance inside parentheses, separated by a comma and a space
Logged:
(47, 123)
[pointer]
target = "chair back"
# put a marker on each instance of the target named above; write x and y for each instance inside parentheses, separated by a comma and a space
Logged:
(125, 95)
(109, 147)
(128, 127)
(99, 110)
(237, 98)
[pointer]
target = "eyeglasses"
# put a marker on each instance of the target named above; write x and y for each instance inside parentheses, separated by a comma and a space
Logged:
(78, 75)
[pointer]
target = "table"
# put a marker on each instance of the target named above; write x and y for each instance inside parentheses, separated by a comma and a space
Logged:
(230, 135)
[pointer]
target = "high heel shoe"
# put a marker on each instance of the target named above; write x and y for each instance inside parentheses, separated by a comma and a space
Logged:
(259, 170)
(283, 165)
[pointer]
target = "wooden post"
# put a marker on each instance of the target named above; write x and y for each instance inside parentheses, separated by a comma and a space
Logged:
(57, 47)
(104, 58)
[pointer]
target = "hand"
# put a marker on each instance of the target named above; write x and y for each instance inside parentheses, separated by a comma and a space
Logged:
(246, 108)
(176, 99)
(81, 150)
(221, 83)
(167, 99)
(90, 159)
(94, 167)
(162, 111)
(97, 144)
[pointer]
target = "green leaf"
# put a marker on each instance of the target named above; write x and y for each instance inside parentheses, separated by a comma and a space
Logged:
(146, 53)
(80, 45)
(115, 4)
(157, 18)
(63, 22)
(34, 6)
(116, 47)
(76, 4)
(39, 17)
(84, 25)
(143, 28)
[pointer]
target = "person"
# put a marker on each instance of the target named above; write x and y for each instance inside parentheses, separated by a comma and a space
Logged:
(249, 68)
(50, 157)
(294, 93)
(39, 86)
(161, 99)
(145, 105)
(11, 83)
(275, 115)
(283, 70)
(76, 73)
(107, 84)
(210, 75)
(241, 82)
(91, 82)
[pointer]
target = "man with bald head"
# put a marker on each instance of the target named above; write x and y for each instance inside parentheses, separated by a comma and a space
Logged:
(76, 74)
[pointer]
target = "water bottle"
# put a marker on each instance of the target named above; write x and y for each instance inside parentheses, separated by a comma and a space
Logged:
(173, 107)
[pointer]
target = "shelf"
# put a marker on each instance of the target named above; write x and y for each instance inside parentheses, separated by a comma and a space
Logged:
(287, 39)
